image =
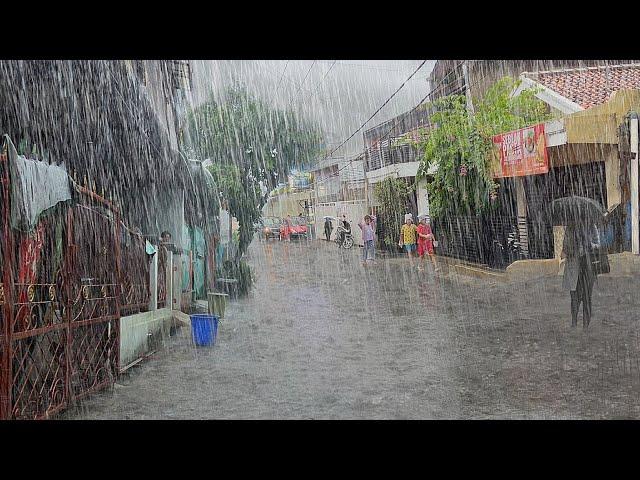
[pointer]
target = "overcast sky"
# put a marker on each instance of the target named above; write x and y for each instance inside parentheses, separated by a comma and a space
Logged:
(339, 96)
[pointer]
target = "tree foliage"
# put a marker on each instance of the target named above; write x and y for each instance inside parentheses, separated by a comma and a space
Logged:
(253, 146)
(392, 194)
(460, 146)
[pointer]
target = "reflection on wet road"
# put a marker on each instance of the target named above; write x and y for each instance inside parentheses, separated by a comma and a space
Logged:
(322, 336)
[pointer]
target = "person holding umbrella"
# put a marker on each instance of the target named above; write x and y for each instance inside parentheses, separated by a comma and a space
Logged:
(580, 251)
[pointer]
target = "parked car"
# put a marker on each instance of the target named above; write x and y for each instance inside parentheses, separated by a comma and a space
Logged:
(297, 229)
(270, 227)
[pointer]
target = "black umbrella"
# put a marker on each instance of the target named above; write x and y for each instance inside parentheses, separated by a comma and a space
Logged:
(576, 210)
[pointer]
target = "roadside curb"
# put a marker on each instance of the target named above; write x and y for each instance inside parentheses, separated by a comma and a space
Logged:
(623, 265)
(479, 273)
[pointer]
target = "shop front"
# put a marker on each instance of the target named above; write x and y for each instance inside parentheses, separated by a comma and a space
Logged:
(575, 155)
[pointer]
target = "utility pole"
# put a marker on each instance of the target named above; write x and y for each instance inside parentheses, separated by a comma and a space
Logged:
(465, 73)
(635, 230)
(367, 204)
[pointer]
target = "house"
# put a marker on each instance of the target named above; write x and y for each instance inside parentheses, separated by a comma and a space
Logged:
(588, 102)
(389, 153)
(586, 146)
(451, 77)
(85, 293)
(339, 189)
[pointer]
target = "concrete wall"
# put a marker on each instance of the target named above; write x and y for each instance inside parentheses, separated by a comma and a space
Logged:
(137, 333)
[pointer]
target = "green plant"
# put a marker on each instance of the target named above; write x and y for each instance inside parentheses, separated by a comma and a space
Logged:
(392, 194)
(241, 271)
(252, 146)
(460, 146)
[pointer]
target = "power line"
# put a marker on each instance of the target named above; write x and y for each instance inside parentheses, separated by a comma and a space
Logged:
(379, 108)
(322, 80)
(301, 84)
(457, 91)
(431, 92)
(374, 67)
(281, 77)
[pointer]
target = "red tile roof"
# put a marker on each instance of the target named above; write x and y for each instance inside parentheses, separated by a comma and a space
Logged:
(589, 86)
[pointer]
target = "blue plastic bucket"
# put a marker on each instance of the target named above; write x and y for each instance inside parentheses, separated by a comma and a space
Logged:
(204, 329)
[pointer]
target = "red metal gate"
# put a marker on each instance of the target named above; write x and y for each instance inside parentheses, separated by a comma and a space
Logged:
(134, 274)
(60, 316)
(162, 276)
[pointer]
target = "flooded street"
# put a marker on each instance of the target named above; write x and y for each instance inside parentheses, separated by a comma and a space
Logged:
(136, 191)
(322, 337)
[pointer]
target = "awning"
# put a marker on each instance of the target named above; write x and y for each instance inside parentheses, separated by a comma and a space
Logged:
(600, 124)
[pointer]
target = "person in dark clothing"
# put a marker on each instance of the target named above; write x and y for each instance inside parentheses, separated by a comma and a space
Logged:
(165, 241)
(346, 226)
(579, 276)
(328, 228)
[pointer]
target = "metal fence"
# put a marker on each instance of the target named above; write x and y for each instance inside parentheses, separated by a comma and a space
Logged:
(60, 299)
(493, 241)
(162, 276)
(134, 274)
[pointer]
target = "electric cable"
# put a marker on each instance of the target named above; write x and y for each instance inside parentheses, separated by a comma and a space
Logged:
(431, 92)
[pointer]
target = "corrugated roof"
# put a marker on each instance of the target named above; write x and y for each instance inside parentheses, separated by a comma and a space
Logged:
(589, 86)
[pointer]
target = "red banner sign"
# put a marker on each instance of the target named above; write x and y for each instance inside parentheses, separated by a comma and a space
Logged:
(522, 152)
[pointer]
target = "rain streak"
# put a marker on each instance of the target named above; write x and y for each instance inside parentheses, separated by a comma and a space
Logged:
(319, 239)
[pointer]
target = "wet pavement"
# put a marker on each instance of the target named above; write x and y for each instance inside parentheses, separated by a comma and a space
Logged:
(323, 337)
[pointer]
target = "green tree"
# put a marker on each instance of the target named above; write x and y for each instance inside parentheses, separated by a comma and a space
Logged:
(460, 145)
(392, 194)
(252, 144)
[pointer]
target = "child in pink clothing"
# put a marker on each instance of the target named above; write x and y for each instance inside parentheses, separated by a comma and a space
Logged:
(368, 238)
(425, 241)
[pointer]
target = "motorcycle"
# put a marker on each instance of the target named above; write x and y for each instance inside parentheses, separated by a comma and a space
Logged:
(344, 238)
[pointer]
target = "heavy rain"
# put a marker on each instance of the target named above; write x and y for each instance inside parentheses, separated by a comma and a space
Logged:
(319, 239)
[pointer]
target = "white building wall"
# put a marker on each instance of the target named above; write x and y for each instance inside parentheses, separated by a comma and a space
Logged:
(354, 210)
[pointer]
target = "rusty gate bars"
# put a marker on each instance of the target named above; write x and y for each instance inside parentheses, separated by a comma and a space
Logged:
(134, 275)
(60, 323)
(6, 294)
(94, 305)
(162, 276)
(59, 341)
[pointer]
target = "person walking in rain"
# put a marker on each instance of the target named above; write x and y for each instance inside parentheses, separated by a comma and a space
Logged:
(425, 242)
(368, 238)
(328, 228)
(408, 236)
(287, 228)
(579, 275)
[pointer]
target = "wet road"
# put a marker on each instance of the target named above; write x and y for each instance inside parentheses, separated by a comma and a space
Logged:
(323, 337)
